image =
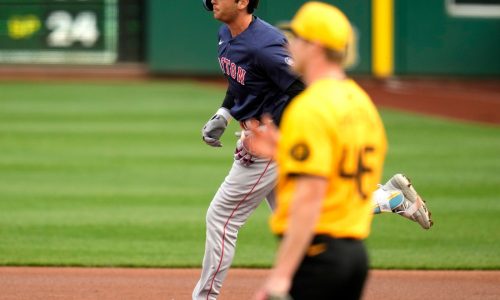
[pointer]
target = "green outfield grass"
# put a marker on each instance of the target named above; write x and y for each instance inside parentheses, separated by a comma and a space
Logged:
(116, 174)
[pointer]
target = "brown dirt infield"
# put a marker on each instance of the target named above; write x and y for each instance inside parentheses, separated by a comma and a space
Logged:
(169, 284)
(462, 99)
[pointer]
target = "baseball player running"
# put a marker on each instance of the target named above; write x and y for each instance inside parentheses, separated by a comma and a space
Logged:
(252, 55)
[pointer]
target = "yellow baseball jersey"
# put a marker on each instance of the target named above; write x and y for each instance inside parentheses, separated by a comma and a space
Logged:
(332, 130)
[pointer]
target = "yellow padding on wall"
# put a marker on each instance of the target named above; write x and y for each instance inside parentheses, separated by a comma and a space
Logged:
(383, 38)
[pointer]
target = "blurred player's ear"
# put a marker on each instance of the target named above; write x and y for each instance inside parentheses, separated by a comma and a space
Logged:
(351, 55)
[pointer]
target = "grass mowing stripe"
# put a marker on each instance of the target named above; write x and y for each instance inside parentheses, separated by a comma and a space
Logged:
(111, 174)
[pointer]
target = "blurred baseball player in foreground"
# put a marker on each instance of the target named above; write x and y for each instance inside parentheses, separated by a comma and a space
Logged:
(253, 57)
(330, 153)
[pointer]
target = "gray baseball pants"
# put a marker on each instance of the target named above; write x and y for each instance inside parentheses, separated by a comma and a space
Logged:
(237, 198)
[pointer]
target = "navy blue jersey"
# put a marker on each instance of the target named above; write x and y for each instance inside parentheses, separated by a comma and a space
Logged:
(256, 65)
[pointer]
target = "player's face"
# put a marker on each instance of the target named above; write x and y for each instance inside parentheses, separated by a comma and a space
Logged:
(225, 10)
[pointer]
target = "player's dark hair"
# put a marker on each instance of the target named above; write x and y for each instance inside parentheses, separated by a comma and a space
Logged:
(252, 5)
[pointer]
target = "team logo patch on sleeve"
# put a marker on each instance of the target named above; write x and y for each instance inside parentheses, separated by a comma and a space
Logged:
(300, 152)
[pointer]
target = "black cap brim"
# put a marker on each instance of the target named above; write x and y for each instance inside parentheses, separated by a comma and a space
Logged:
(208, 5)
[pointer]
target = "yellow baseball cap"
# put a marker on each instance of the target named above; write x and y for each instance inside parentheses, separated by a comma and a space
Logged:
(322, 23)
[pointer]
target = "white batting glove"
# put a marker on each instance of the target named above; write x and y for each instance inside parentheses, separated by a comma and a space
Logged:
(215, 127)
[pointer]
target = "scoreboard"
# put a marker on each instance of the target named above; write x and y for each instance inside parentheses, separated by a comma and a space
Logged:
(58, 31)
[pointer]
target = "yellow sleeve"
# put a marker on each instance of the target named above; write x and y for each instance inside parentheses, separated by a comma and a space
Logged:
(306, 142)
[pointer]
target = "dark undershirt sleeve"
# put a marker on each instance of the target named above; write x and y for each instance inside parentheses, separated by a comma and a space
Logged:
(228, 102)
(295, 88)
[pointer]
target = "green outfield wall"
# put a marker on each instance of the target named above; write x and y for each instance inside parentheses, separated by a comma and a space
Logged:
(395, 37)
(431, 37)
(183, 36)
(436, 37)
